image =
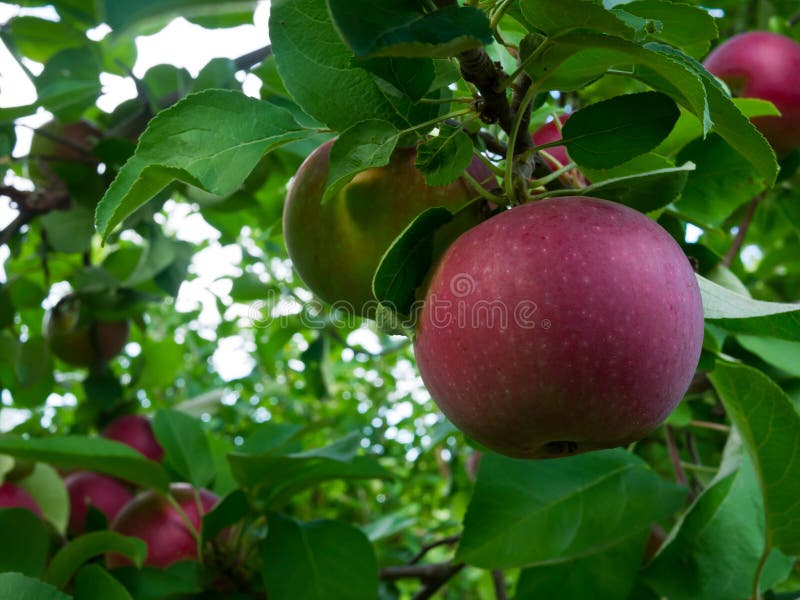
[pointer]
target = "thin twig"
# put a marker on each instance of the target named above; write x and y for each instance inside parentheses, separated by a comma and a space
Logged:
(499, 582)
(251, 59)
(738, 241)
(447, 541)
(710, 425)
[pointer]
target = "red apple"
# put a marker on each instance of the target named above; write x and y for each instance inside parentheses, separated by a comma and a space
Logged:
(760, 64)
(92, 489)
(551, 132)
(137, 432)
(13, 496)
(337, 246)
(150, 517)
(562, 326)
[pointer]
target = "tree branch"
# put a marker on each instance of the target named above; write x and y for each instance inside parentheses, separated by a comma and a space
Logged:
(478, 69)
(251, 59)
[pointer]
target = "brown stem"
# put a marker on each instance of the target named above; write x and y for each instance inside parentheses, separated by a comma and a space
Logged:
(736, 246)
(448, 541)
(433, 576)
(710, 425)
(499, 582)
(251, 59)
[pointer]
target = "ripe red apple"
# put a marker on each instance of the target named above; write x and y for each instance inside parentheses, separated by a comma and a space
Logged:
(337, 246)
(562, 326)
(78, 338)
(137, 432)
(551, 132)
(761, 64)
(92, 489)
(13, 496)
(150, 517)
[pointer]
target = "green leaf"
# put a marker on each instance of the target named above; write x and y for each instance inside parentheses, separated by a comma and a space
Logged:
(573, 507)
(229, 511)
(275, 479)
(610, 574)
(365, 145)
(316, 66)
(407, 261)
(47, 487)
(25, 543)
(320, 560)
(93, 582)
(400, 28)
(780, 353)
(88, 546)
(726, 520)
(646, 190)
(770, 428)
(729, 122)
(722, 182)
(181, 580)
(161, 361)
(69, 231)
(91, 454)
(40, 39)
(689, 128)
(212, 139)
(411, 76)
(20, 587)
(690, 28)
(612, 132)
(555, 17)
(443, 158)
(69, 83)
(186, 448)
(741, 314)
(34, 371)
(148, 16)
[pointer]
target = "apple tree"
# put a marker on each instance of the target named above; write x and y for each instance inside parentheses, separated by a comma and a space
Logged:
(472, 299)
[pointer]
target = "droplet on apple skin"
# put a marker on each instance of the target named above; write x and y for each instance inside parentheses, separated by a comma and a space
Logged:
(606, 346)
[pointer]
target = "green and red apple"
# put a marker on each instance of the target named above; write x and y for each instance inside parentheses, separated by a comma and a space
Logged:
(336, 246)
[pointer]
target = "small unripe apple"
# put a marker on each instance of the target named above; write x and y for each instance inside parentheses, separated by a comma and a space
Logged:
(559, 327)
(79, 339)
(135, 431)
(13, 496)
(337, 246)
(761, 64)
(150, 517)
(92, 489)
